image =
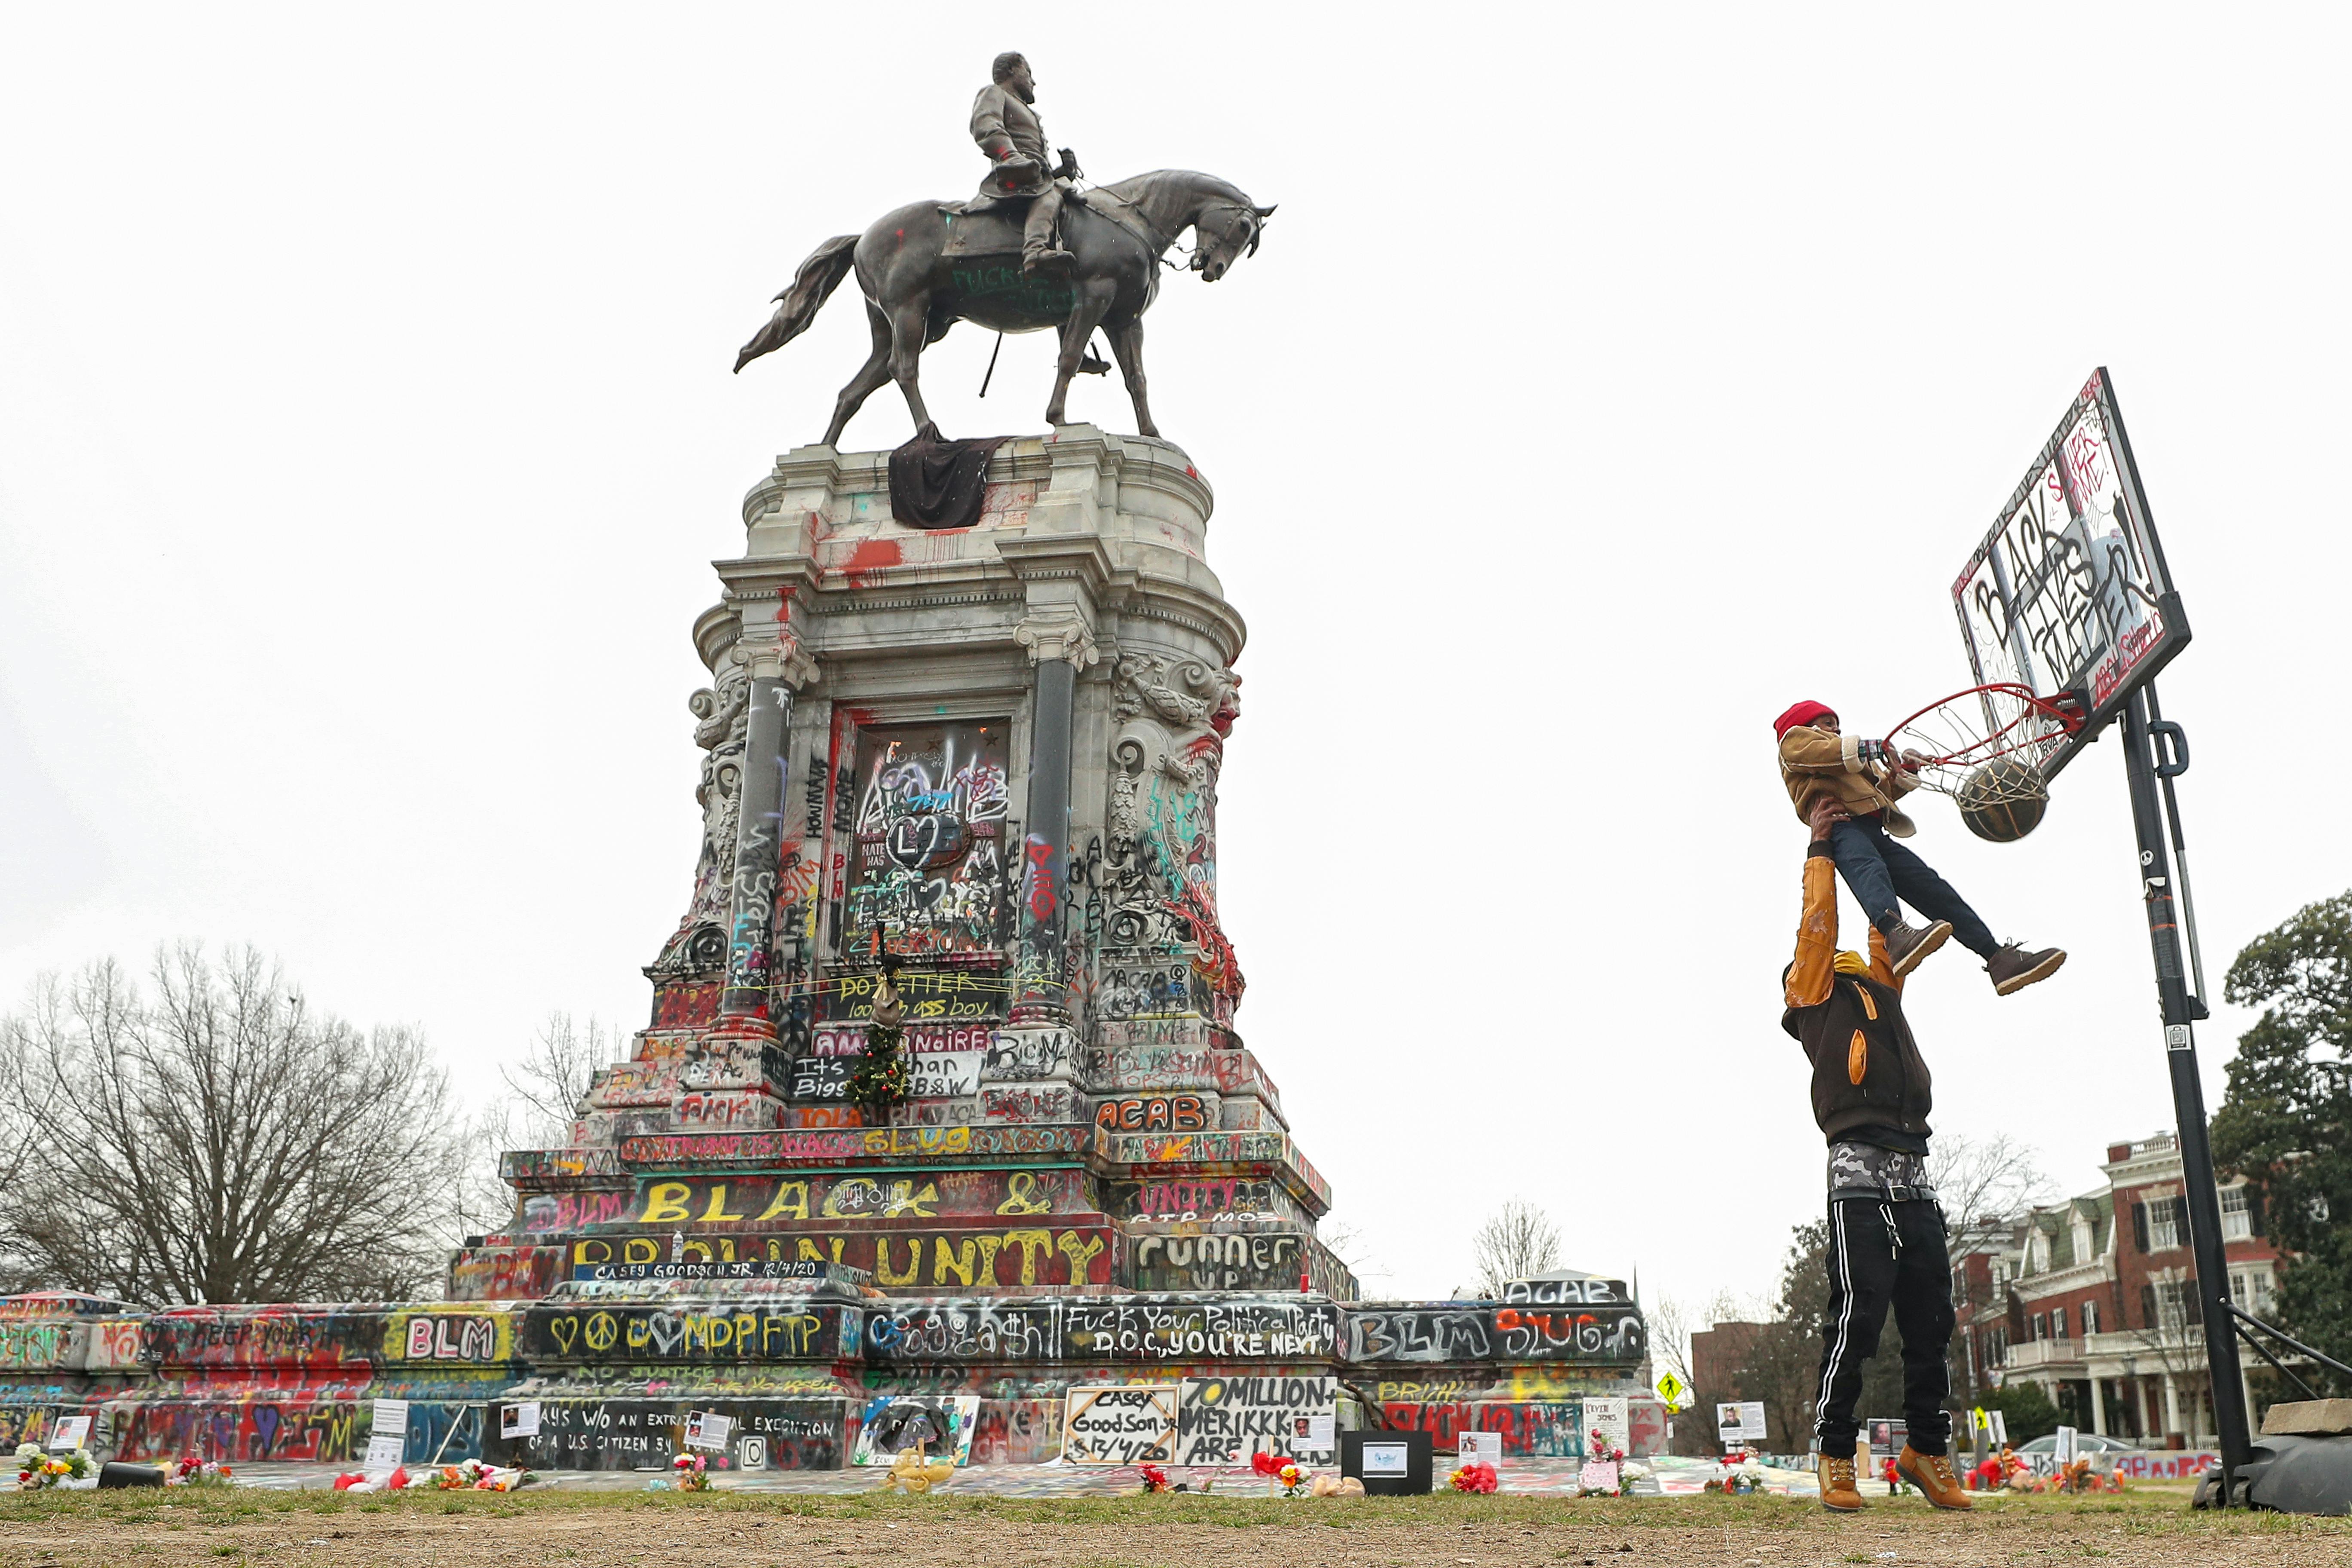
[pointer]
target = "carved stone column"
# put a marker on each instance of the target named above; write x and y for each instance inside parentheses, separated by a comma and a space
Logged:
(777, 667)
(1060, 644)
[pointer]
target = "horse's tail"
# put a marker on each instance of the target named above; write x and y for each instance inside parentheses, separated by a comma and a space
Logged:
(797, 306)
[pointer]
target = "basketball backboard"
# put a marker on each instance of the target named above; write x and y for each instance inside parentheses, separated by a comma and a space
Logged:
(2069, 592)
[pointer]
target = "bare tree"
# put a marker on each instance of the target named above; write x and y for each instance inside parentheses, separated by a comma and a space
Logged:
(223, 1141)
(553, 1075)
(1518, 1240)
(1987, 1178)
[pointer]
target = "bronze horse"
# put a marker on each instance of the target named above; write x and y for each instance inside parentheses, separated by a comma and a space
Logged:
(926, 267)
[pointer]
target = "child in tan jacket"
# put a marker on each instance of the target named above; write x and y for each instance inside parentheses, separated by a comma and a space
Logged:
(1867, 778)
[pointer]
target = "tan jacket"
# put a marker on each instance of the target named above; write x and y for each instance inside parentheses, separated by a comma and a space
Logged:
(1815, 761)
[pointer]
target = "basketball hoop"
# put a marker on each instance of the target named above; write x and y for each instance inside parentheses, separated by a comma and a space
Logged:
(1985, 747)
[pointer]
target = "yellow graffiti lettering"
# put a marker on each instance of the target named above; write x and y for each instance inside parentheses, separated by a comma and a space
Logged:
(904, 1199)
(1026, 1194)
(640, 1250)
(593, 1250)
(715, 1213)
(790, 1202)
(884, 1274)
(1031, 1243)
(1079, 1251)
(665, 1202)
(958, 1263)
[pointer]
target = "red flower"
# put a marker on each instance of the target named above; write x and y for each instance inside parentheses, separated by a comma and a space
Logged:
(1267, 1464)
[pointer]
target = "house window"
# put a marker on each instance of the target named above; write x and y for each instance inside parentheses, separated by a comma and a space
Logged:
(2084, 1242)
(2250, 1289)
(2090, 1319)
(2168, 1303)
(2040, 1254)
(2058, 1323)
(1996, 1347)
(2236, 1214)
(2164, 1227)
(2041, 1326)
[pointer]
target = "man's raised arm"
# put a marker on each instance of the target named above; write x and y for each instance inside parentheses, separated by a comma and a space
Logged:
(1815, 970)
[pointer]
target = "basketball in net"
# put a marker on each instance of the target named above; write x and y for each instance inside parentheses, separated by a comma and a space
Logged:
(1984, 747)
(2002, 800)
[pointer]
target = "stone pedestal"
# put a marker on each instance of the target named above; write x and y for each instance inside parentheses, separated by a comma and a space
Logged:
(994, 749)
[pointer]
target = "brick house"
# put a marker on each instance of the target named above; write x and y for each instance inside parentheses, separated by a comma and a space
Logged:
(2093, 1300)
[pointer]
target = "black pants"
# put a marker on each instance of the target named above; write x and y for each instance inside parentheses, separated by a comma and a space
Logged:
(1878, 868)
(1880, 1254)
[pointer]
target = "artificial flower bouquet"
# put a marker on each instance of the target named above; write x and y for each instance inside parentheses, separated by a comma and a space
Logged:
(1155, 1479)
(689, 1473)
(1478, 1478)
(1279, 1471)
(36, 1469)
(192, 1471)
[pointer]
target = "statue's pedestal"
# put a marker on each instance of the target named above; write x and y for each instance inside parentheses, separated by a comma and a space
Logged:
(1001, 761)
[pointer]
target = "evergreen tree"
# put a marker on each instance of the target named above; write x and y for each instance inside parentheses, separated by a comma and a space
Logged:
(2286, 1121)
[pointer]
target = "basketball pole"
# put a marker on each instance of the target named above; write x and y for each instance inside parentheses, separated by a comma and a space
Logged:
(2165, 914)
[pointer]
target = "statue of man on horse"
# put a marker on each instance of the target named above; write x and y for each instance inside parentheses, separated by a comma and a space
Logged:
(1004, 122)
(925, 267)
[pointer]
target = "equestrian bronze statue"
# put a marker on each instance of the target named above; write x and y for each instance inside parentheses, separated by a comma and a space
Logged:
(995, 260)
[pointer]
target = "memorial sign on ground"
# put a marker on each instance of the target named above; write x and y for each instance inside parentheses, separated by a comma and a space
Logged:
(1224, 1420)
(1127, 1424)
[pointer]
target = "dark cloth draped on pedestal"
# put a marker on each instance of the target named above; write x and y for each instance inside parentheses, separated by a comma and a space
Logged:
(939, 483)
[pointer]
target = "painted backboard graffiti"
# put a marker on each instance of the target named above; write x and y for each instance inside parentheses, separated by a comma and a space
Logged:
(2069, 592)
(1128, 1424)
(928, 864)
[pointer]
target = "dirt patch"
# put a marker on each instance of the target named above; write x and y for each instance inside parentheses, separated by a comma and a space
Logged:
(718, 1530)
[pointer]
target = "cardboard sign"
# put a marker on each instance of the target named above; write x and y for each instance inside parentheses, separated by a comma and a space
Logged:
(1224, 1420)
(518, 1420)
(1132, 1424)
(1610, 1418)
(706, 1429)
(1478, 1449)
(1597, 1475)
(69, 1433)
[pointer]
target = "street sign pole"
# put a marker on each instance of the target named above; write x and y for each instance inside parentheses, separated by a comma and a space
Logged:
(2165, 914)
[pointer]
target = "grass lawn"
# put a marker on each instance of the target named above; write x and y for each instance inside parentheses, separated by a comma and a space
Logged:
(232, 1527)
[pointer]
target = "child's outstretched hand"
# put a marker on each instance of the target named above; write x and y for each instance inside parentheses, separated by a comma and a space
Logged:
(1825, 814)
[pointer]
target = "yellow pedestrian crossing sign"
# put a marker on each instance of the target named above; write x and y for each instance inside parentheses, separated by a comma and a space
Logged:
(1674, 1391)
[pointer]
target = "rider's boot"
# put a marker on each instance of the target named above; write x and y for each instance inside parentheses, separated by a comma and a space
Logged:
(1045, 262)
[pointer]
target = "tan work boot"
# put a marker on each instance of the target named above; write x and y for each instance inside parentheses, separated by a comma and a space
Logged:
(1932, 1474)
(1839, 1494)
(2012, 968)
(1907, 946)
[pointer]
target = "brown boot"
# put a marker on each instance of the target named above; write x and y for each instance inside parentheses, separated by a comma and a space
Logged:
(1908, 945)
(2013, 968)
(1839, 1494)
(1932, 1474)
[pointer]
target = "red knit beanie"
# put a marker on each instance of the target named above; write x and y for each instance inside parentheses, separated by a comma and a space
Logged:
(1802, 713)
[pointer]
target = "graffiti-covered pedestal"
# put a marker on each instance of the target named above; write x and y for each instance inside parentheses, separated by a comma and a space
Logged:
(992, 751)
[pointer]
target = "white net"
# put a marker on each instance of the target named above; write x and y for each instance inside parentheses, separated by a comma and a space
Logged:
(1983, 747)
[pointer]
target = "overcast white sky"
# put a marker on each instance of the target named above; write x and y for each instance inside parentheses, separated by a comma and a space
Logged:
(1610, 378)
